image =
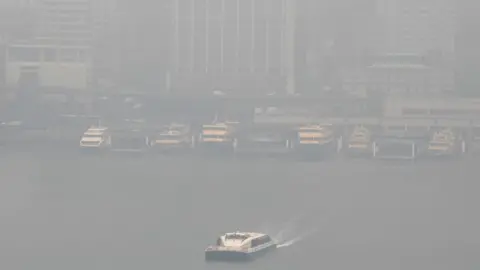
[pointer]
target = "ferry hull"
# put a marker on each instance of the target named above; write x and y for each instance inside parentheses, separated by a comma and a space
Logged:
(236, 256)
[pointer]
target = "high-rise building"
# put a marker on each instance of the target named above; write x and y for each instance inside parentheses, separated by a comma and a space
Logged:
(65, 21)
(467, 44)
(414, 51)
(415, 26)
(332, 37)
(231, 45)
(59, 55)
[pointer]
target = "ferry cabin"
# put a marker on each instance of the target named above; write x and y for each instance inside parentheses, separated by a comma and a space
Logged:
(95, 137)
(442, 143)
(316, 135)
(217, 133)
(173, 138)
(315, 141)
(360, 141)
(239, 246)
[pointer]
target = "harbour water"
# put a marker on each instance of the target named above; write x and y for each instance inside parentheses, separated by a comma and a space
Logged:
(64, 210)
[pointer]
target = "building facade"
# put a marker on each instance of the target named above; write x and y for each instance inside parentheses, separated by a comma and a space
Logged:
(331, 40)
(415, 48)
(59, 55)
(467, 43)
(236, 46)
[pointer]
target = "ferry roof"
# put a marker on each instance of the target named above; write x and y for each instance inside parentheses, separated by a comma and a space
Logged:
(245, 234)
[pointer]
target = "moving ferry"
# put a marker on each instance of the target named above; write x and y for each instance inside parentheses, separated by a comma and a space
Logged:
(173, 137)
(96, 138)
(316, 139)
(360, 142)
(240, 246)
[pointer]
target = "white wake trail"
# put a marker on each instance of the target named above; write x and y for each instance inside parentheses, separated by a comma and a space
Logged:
(288, 227)
(297, 239)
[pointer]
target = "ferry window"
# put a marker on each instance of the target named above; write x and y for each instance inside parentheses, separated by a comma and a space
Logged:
(24, 54)
(258, 241)
(49, 55)
(236, 237)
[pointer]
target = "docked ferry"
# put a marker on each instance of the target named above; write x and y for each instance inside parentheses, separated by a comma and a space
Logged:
(360, 142)
(95, 138)
(444, 143)
(240, 246)
(217, 136)
(315, 140)
(173, 138)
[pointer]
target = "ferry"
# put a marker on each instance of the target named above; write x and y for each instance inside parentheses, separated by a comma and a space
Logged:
(240, 246)
(174, 137)
(96, 138)
(316, 140)
(217, 136)
(360, 142)
(443, 143)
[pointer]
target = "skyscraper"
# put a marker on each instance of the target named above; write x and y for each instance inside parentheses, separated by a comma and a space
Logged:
(230, 45)
(332, 38)
(416, 26)
(65, 21)
(415, 46)
(467, 44)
